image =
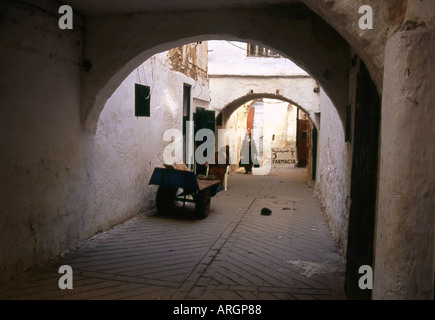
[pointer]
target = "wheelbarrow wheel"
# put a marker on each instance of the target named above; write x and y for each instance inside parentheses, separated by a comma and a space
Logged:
(166, 199)
(202, 205)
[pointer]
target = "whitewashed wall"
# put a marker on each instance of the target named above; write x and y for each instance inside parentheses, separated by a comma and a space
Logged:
(234, 75)
(127, 149)
(43, 171)
(333, 177)
(61, 184)
(271, 117)
(230, 58)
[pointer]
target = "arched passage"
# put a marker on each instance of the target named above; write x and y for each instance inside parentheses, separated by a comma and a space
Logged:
(113, 48)
(293, 30)
(235, 104)
(278, 130)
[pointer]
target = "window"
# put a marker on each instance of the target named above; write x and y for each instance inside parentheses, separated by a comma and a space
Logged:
(142, 100)
(259, 51)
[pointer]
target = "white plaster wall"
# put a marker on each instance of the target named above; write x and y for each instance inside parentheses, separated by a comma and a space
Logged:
(43, 163)
(236, 125)
(230, 58)
(234, 75)
(291, 125)
(225, 90)
(127, 148)
(404, 261)
(60, 184)
(263, 136)
(333, 179)
(276, 120)
(271, 117)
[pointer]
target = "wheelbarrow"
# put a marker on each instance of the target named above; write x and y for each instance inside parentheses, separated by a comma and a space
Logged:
(183, 186)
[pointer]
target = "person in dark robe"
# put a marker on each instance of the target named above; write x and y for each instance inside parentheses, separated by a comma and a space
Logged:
(248, 156)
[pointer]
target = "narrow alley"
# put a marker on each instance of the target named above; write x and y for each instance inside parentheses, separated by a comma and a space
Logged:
(235, 253)
(336, 96)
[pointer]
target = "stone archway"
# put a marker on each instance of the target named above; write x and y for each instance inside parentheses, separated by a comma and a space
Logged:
(114, 53)
(292, 30)
(230, 107)
(234, 91)
(281, 133)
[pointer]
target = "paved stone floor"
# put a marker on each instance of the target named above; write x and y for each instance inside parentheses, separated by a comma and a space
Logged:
(234, 254)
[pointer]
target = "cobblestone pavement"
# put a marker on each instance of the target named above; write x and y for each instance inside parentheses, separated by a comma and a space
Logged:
(234, 254)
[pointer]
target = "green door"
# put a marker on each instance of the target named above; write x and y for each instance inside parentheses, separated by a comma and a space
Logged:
(203, 119)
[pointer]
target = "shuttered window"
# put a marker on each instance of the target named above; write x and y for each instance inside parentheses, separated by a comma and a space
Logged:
(142, 101)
